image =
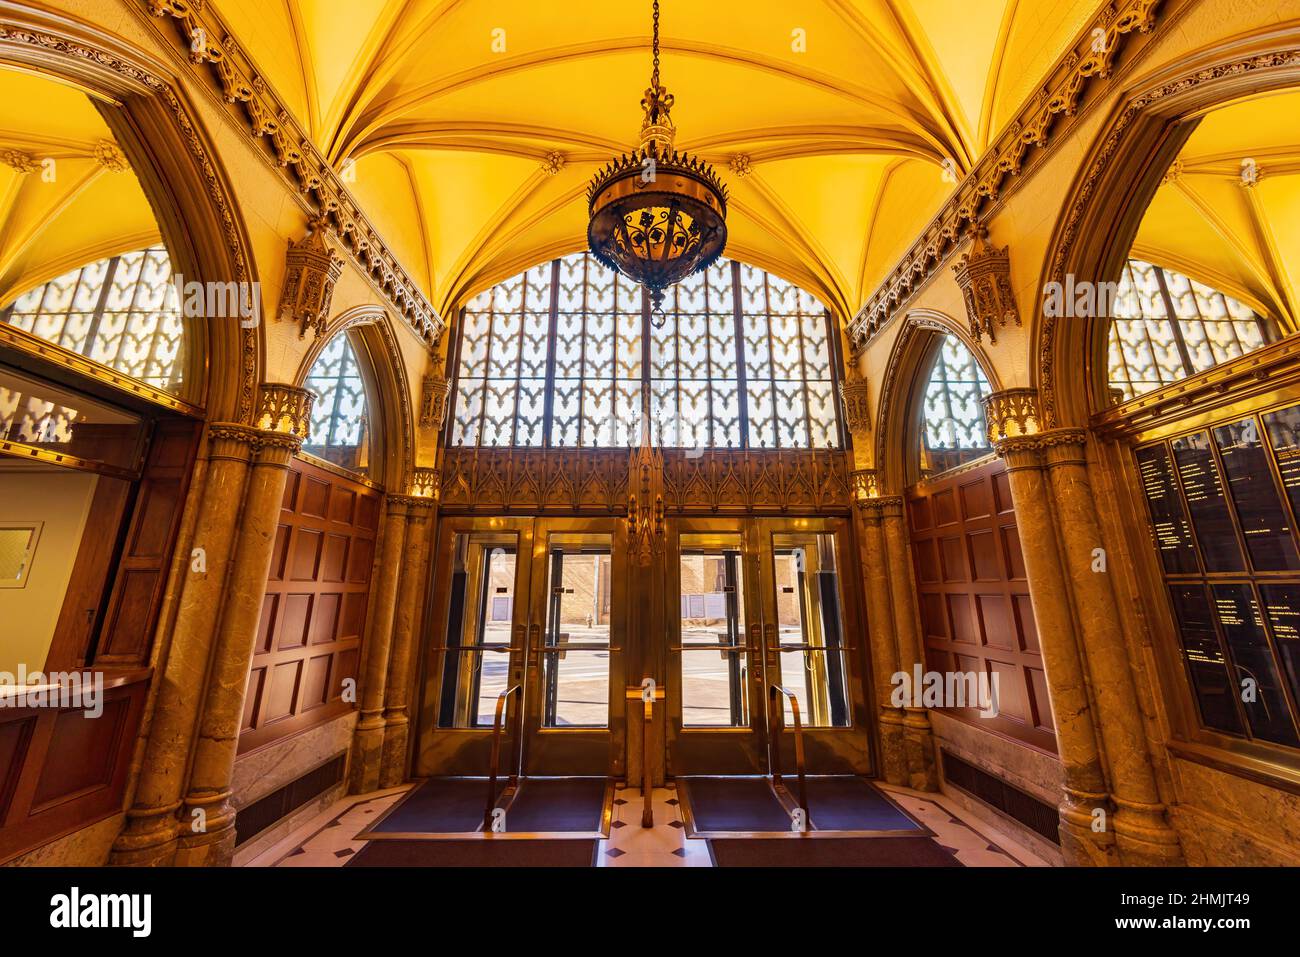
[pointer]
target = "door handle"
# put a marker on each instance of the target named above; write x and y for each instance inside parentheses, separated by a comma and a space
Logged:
(534, 644)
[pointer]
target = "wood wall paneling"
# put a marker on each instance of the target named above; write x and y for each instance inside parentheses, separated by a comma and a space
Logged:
(314, 613)
(976, 613)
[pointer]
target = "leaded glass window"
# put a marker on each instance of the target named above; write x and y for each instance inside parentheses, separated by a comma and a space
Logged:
(565, 355)
(1167, 326)
(952, 411)
(122, 312)
(340, 422)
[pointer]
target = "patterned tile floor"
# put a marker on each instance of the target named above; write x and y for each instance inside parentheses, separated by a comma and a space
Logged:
(329, 839)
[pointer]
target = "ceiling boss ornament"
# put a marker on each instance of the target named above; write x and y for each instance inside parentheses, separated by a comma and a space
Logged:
(657, 215)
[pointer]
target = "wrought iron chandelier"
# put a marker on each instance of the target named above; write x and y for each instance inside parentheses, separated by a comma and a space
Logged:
(657, 215)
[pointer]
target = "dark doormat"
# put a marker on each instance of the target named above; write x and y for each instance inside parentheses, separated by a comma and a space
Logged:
(557, 804)
(851, 804)
(438, 806)
(829, 852)
(507, 852)
(734, 804)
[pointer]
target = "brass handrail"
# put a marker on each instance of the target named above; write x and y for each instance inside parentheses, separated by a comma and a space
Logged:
(776, 725)
(495, 765)
(647, 780)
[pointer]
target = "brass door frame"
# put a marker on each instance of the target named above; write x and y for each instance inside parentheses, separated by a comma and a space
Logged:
(575, 751)
(725, 750)
(467, 751)
(846, 750)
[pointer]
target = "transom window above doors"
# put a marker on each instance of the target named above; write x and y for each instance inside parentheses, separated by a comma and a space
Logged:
(952, 410)
(566, 355)
(1168, 326)
(122, 312)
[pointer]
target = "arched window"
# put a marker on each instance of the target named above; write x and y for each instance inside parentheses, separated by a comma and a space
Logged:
(566, 355)
(122, 312)
(340, 422)
(1167, 326)
(952, 411)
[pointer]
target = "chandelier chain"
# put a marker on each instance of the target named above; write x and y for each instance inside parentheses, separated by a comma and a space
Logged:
(654, 76)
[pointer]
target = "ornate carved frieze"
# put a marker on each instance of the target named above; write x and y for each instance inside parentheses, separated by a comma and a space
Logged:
(1092, 59)
(311, 270)
(596, 481)
(984, 275)
(199, 28)
(1011, 413)
(433, 397)
(285, 409)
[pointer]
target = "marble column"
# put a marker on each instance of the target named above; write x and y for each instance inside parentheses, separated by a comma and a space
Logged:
(149, 834)
(918, 736)
(1076, 739)
(1142, 830)
(410, 603)
(207, 826)
(368, 740)
(881, 637)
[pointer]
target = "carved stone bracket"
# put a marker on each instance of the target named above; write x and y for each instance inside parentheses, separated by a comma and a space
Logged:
(311, 270)
(433, 398)
(984, 275)
(855, 394)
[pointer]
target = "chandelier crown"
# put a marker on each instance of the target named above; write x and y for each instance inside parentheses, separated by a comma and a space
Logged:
(658, 215)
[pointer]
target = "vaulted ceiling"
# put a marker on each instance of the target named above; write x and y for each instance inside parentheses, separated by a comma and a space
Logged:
(1228, 210)
(67, 195)
(840, 126)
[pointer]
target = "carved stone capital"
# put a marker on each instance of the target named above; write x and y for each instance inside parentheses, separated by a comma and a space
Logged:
(312, 267)
(1011, 413)
(285, 410)
(865, 484)
(1028, 451)
(426, 484)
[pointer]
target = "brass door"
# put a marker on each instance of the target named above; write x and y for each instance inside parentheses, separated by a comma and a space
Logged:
(813, 642)
(716, 719)
(577, 631)
(759, 614)
(478, 623)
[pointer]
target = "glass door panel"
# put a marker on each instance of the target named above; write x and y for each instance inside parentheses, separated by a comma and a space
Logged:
(714, 684)
(476, 642)
(812, 642)
(575, 647)
(809, 628)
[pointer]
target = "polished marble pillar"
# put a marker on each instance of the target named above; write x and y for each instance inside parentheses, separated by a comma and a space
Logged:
(881, 638)
(1142, 829)
(918, 736)
(368, 740)
(207, 824)
(410, 604)
(148, 836)
(1086, 835)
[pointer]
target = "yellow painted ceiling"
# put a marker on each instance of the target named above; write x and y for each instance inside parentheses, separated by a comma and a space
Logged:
(441, 113)
(1207, 222)
(60, 206)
